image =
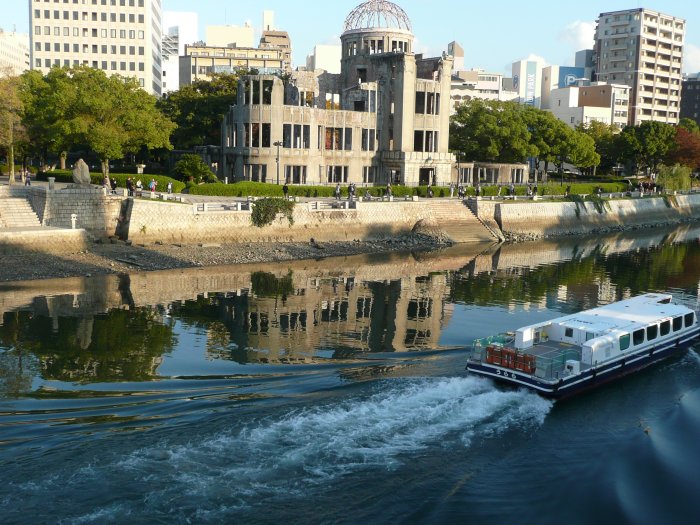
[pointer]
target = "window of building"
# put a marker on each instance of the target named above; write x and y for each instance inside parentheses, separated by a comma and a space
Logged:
(368, 139)
(336, 174)
(369, 174)
(255, 172)
(295, 174)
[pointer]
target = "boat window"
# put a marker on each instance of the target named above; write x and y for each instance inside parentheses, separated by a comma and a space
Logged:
(624, 342)
(638, 337)
(652, 332)
(665, 327)
(689, 320)
(589, 336)
(569, 332)
(665, 301)
(677, 323)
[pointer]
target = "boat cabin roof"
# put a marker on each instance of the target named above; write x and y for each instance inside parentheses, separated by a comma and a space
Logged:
(626, 315)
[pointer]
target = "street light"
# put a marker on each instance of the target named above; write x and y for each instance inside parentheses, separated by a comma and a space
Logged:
(278, 144)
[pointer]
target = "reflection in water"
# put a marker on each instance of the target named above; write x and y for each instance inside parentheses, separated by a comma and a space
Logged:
(119, 328)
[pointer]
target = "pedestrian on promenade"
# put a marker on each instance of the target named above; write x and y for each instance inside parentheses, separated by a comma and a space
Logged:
(337, 191)
(169, 187)
(106, 183)
(388, 189)
(130, 186)
(113, 185)
(28, 178)
(512, 189)
(152, 185)
(139, 186)
(452, 189)
(285, 191)
(430, 191)
(499, 191)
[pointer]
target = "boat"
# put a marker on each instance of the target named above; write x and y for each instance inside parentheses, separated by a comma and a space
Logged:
(569, 354)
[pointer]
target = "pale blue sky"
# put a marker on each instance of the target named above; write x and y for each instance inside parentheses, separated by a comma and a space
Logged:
(493, 34)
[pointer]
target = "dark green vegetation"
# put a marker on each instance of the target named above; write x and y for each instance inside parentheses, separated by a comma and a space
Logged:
(265, 211)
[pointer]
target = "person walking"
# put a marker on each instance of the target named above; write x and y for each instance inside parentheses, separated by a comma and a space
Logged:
(130, 186)
(388, 189)
(28, 178)
(152, 185)
(430, 191)
(337, 191)
(139, 186)
(452, 189)
(285, 191)
(169, 187)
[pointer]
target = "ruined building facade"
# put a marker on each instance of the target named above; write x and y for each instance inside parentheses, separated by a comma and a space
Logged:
(384, 118)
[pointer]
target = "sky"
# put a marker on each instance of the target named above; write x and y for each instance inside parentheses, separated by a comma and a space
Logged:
(493, 35)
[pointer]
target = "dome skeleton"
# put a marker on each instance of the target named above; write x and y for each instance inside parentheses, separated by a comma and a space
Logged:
(377, 14)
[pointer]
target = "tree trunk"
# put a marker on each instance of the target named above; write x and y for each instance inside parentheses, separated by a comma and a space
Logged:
(105, 167)
(11, 159)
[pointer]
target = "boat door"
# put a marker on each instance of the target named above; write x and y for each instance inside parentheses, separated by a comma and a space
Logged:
(537, 337)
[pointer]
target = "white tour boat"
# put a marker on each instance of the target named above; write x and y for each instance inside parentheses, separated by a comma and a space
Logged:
(576, 352)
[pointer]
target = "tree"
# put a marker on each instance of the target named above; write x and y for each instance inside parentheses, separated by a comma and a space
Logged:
(687, 149)
(198, 109)
(581, 151)
(491, 131)
(648, 144)
(114, 116)
(604, 137)
(10, 125)
(543, 127)
(674, 177)
(689, 125)
(46, 100)
(192, 167)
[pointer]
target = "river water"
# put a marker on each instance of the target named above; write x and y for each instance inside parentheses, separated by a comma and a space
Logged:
(334, 391)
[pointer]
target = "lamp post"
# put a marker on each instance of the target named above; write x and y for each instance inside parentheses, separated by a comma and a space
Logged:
(278, 144)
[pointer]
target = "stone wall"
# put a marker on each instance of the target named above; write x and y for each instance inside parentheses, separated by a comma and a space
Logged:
(43, 240)
(544, 219)
(153, 221)
(96, 212)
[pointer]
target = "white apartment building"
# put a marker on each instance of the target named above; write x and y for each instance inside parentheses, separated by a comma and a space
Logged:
(14, 52)
(117, 36)
(478, 84)
(229, 36)
(326, 57)
(585, 103)
(644, 50)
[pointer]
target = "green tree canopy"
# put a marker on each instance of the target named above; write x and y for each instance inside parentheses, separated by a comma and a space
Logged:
(491, 131)
(198, 108)
(648, 144)
(11, 130)
(112, 115)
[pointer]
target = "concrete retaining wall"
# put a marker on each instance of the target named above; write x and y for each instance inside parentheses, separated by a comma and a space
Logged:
(545, 219)
(96, 212)
(153, 221)
(43, 240)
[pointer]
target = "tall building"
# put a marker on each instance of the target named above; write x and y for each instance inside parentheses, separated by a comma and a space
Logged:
(179, 29)
(586, 102)
(478, 84)
(326, 57)
(117, 36)
(527, 81)
(14, 52)
(644, 50)
(556, 77)
(690, 98)
(383, 119)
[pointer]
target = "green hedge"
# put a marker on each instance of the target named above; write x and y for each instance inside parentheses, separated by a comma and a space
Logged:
(262, 189)
(97, 178)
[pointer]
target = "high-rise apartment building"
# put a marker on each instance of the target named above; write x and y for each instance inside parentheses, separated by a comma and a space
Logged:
(644, 50)
(179, 29)
(117, 36)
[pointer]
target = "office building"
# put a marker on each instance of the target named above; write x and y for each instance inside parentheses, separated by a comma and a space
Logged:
(326, 57)
(117, 36)
(644, 50)
(229, 36)
(478, 84)
(527, 81)
(690, 98)
(14, 53)
(383, 119)
(587, 102)
(179, 29)
(200, 62)
(556, 77)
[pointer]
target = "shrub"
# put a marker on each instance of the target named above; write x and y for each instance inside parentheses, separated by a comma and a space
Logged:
(265, 284)
(192, 167)
(265, 211)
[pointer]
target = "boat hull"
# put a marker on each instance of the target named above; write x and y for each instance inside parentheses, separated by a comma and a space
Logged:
(590, 378)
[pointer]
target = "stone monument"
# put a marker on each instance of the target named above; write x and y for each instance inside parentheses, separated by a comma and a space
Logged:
(81, 173)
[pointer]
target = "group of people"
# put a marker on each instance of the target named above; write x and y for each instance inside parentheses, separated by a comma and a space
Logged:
(352, 190)
(134, 188)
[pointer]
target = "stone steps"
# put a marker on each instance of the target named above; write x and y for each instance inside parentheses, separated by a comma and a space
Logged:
(457, 221)
(17, 213)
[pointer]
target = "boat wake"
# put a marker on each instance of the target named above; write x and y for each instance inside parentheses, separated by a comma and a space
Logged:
(288, 455)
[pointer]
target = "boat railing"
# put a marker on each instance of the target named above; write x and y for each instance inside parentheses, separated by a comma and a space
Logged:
(550, 365)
